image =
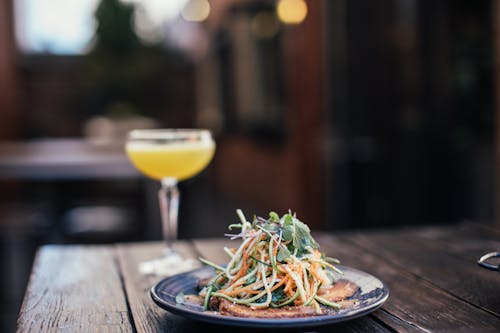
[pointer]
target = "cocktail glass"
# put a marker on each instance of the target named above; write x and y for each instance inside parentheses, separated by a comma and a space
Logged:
(169, 156)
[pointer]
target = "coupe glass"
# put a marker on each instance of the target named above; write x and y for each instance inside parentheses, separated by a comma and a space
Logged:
(169, 156)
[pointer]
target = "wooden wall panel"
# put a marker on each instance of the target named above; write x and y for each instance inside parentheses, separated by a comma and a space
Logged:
(8, 115)
(305, 77)
(496, 96)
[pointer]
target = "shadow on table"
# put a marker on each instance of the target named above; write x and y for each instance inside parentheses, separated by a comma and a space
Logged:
(174, 323)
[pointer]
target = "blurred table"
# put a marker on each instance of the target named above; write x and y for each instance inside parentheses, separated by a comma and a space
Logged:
(434, 280)
(63, 159)
(56, 171)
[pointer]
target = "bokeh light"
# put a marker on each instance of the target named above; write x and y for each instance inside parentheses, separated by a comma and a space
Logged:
(292, 11)
(196, 10)
(54, 26)
(151, 16)
(265, 25)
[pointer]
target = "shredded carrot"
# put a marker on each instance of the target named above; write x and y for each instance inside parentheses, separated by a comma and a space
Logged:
(279, 284)
(254, 272)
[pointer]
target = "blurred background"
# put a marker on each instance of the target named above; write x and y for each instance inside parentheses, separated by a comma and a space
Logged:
(352, 114)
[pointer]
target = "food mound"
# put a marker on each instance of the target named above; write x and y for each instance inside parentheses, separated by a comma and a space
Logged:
(276, 272)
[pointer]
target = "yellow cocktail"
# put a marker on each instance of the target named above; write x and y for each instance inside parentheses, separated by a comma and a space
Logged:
(180, 160)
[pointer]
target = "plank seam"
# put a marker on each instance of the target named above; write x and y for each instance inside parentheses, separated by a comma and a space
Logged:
(124, 289)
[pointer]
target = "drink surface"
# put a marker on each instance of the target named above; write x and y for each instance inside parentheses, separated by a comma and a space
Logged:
(180, 160)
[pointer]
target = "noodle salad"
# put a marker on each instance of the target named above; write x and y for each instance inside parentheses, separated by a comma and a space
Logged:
(277, 264)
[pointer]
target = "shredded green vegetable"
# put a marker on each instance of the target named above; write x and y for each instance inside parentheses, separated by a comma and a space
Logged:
(278, 263)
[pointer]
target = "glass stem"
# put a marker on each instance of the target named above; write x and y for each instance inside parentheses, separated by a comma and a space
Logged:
(168, 195)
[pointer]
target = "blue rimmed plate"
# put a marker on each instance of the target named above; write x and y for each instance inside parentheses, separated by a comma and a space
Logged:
(373, 293)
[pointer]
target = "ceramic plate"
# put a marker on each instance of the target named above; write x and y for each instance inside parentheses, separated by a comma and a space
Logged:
(373, 293)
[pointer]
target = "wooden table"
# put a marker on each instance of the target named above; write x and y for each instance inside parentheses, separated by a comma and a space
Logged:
(435, 283)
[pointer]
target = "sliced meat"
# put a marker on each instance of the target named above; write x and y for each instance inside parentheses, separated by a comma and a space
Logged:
(341, 290)
(338, 292)
(227, 308)
(214, 303)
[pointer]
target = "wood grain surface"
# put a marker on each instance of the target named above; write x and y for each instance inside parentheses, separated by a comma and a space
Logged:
(75, 289)
(445, 258)
(414, 303)
(146, 315)
(435, 283)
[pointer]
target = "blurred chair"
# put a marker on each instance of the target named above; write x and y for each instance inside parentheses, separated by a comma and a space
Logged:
(95, 224)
